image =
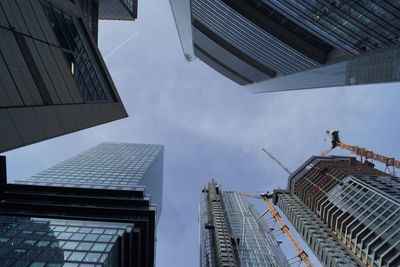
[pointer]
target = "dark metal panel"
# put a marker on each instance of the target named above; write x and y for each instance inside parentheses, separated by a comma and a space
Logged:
(27, 124)
(9, 135)
(3, 171)
(9, 85)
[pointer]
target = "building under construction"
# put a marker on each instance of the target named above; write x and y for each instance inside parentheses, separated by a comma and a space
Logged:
(345, 210)
(231, 235)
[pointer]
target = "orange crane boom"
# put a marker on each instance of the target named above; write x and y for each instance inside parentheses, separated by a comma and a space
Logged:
(285, 229)
(335, 142)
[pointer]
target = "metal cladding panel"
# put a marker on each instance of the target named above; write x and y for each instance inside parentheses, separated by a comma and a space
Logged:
(118, 9)
(219, 66)
(249, 38)
(181, 12)
(227, 58)
(48, 58)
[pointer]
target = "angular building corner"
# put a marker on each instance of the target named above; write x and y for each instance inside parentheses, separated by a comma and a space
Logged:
(98, 208)
(288, 45)
(347, 212)
(231, 235)
(53, 80)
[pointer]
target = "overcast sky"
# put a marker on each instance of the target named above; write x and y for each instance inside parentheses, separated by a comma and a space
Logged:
(211, 127)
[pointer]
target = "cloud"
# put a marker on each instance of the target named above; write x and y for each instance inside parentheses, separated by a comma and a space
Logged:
(211, 127)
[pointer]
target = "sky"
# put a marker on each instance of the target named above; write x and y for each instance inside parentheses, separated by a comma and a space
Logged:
(212, 127)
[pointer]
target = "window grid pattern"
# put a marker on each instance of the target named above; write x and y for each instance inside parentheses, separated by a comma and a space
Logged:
(356, 26)
(358, 203)
(257, 246)
(52, 242)
(328, 249)
(365, 218)
(118, 166)
(81, 62)
(249, 38)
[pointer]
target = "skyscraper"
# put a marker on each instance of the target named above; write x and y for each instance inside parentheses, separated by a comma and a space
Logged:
(53, 80)
(98, 207)
(231, 235)
(346, 211)
(118, 9)
(287, 45)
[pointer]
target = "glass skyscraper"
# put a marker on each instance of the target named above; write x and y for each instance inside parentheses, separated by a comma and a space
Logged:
(231, 235)
(281, 45)
(346, 211)
(98, 208)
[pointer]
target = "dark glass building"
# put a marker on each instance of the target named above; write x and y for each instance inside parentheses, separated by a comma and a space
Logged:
(99, 208)
(117, 9)
(287, 45)
(231, 235)
(53, 80)
(346, 211)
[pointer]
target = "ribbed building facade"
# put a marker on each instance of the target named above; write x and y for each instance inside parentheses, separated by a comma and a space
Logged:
(346, 211)
(100, 208)
(287, 45)
(231, 235)
(53, 80)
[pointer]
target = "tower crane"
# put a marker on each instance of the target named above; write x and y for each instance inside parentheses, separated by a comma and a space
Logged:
(301, 254)
(335, 142)
(277, 161)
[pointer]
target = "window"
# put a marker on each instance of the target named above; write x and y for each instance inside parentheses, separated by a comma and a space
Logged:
(82, 63)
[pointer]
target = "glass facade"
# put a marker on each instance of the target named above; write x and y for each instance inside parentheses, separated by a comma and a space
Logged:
(116, 166)
(257, 245)
(279, 45)
(354, 26)
(82, 63)
(90, 11)
(118, 9)
(98, 208)
(231, 235)
(50, 242)
(353, 202)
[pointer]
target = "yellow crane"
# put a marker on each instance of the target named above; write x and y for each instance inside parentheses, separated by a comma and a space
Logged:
(301, 254)
(277, 161)
(335, 142)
